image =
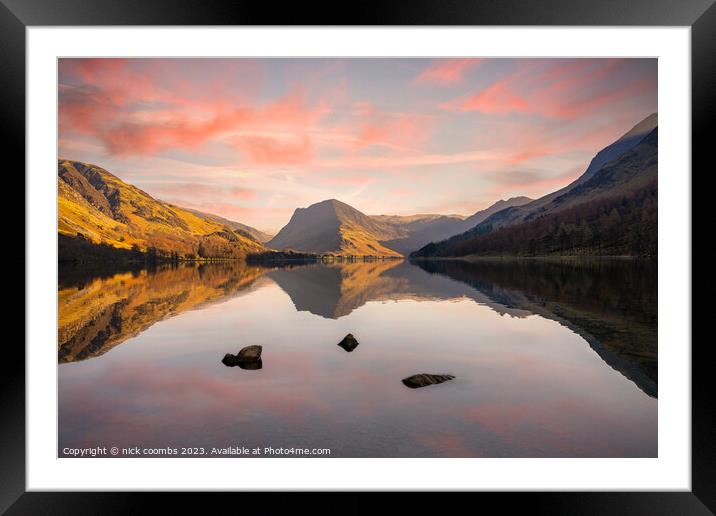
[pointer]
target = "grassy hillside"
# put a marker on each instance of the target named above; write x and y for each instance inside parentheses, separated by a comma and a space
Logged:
(97, 208)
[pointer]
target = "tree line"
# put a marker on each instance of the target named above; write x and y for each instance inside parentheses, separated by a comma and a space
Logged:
(624, 224)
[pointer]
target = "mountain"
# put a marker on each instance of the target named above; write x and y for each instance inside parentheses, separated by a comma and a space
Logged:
(611, 152)
(610, 209)
(478, 217)
(333, 227)
(243, 229)
(414, 231)
(475, 219)
(101, 216)
(419, 230)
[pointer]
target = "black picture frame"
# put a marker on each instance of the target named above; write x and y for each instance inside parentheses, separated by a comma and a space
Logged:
(17, 15)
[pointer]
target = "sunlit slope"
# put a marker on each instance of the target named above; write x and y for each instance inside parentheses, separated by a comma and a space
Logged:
(97, 207)
(333, 227)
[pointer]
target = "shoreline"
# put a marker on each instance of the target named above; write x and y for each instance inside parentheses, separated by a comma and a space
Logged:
(558, 258)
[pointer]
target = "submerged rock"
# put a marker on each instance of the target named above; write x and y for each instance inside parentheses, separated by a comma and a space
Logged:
(349, 343)
(248, 358)
(424, 379)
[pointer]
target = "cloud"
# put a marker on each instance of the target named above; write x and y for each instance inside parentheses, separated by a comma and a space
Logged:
(242, 193)
(248, 135)
(566, 89)
(410, 160)
(132, 114)
(446, 71)
(262, 150)
(498, 98)
(374, 127)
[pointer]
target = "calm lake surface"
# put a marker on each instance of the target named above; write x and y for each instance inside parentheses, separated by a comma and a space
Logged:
(550, 359)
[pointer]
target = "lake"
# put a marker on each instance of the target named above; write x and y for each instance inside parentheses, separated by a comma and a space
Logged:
(551, 359)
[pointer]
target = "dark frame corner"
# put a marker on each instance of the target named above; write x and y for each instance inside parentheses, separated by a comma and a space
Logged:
(17, 15)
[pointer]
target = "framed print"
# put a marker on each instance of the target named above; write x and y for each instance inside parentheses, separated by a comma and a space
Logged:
(347, 255)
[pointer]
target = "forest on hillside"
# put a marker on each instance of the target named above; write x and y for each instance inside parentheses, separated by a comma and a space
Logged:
(620, 225)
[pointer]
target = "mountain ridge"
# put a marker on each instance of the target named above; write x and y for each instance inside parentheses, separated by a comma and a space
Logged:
(246, 230)
(609, 153)
(582, 218)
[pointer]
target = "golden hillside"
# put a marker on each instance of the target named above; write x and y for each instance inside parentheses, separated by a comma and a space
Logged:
(335, 228)
(97, 207)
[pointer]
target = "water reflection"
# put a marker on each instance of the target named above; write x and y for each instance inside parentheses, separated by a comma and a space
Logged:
(548, 359)
(101, 309)
(612, 304)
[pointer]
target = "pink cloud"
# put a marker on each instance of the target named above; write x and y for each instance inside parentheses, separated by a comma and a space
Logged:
(564, 90)
(446, 71)
(498, 98)
(181, 132)
(309, 127)
(242, 193)
(131, 114)
(263, 150)
(399, 131)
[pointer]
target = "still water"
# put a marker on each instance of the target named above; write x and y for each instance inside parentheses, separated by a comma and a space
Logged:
(550, 359)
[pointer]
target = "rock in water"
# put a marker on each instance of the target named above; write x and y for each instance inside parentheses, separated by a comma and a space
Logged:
(349, 343)
(248, 358)
(229, 360)
(424, 379)
(251, 366)
(249, 354)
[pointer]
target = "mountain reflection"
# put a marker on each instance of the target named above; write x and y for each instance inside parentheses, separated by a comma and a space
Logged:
(98, 310)
(611, 304)
(334, 290)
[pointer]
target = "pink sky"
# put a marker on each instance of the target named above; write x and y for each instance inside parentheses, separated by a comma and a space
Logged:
(253, 139)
